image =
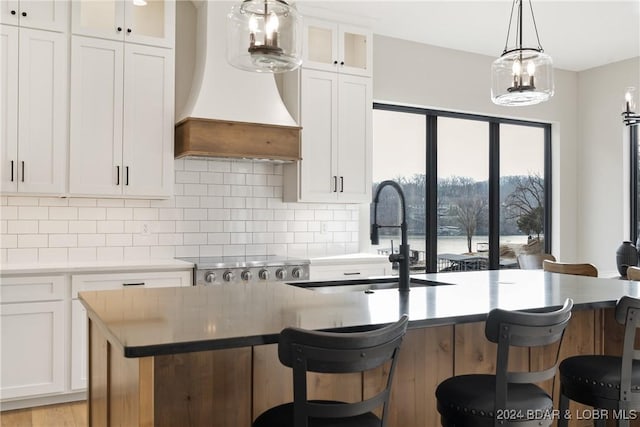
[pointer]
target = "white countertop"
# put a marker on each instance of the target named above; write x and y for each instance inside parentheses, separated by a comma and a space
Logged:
(101, 266)
(357, 258)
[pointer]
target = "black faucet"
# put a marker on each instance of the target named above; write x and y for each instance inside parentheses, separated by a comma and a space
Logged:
(401, 258)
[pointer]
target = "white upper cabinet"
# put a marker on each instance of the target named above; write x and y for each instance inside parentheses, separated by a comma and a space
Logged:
(121, 119)
(335, 113)
(52, 15)
(34, 130)
(332, 46)
(146, 22)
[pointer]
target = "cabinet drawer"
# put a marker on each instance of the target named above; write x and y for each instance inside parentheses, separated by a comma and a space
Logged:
(104, 282)
(341, 272)
(32, 288)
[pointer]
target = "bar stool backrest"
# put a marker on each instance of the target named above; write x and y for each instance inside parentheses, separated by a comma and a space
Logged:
(335, 352)
(633, 273)
(628, 314)
(524, 329)
(578, 269)
(533, 261)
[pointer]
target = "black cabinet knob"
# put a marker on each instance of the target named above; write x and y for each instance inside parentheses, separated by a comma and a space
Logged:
(119, 29)
(335, 62)
(24, 13)
(128, 30)
(13, 12)
(341, 62)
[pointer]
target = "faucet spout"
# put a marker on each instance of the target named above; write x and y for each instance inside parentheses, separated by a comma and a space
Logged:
(401, 258)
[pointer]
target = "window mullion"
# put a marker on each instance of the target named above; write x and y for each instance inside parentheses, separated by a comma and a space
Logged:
(494, 195)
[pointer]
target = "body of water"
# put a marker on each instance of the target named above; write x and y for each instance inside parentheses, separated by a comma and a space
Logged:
(451, 244)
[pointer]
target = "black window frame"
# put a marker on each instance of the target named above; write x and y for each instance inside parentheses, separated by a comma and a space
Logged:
(431, 162)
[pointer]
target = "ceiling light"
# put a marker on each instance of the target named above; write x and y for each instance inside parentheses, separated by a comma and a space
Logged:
(264, 36)
(522, 75)
(629, 116)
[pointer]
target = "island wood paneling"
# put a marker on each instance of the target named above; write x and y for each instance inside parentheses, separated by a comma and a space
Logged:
(231, 387)
(210, 388)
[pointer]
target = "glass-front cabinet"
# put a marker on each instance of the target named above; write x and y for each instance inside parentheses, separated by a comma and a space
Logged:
(331, 46)
(138, 21)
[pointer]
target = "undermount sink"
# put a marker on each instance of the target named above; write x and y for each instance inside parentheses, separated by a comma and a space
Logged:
(362, 285)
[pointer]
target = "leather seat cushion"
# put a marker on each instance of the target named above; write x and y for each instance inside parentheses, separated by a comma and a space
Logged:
(590, 377)
(282, 416)
(469, 400)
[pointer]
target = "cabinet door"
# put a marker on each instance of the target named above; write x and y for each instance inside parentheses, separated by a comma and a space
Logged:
(96, 116)
(152, 23)
(355, 50)
(98, 18)
(354, 138)
(147, 22)
(148, 121)
(320, 43)
(8, 108)
(42, 111)
(33, 339)
(50, 15)
(319, 121)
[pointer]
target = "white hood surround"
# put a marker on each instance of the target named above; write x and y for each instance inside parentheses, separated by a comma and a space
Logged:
(231, 113)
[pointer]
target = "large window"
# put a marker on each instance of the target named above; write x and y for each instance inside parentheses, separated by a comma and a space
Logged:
(477, 188)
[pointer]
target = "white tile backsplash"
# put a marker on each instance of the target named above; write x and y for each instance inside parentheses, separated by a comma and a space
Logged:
(220, 207)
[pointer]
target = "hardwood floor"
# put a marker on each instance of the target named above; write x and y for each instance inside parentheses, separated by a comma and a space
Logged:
(65, 415)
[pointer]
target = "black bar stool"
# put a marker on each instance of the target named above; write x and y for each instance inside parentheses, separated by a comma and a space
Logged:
(506, 398)
(606, 382)
(334, 352)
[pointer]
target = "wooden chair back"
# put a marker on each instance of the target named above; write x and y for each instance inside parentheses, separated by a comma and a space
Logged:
(633, 273)
(533, 261)
(578, 269)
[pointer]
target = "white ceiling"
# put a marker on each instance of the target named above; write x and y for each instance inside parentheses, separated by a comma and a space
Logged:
(578, 35)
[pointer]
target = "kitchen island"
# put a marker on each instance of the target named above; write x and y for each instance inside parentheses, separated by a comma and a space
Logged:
(207, 355)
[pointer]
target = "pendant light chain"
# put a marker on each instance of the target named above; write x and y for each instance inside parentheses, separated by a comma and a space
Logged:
(506, 43)
(535, 27)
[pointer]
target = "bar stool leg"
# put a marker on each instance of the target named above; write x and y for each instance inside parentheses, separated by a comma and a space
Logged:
(563, 421)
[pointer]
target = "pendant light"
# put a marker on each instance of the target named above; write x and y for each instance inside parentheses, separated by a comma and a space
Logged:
(629, 115)
(264, 36)
(522, 75)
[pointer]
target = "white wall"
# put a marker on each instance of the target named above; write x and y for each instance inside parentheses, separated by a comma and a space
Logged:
(422, 75)
(603, 161)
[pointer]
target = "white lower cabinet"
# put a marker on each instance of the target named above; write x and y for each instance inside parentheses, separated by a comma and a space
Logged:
(103, 282)
(33, 336)
(43, 326)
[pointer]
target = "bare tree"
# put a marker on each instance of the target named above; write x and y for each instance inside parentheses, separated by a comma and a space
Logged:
(471, 207)
(525, 204)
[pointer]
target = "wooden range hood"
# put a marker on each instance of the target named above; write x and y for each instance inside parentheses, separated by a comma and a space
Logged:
(230, 139)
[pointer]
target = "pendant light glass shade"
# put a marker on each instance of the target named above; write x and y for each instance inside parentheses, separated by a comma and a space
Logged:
(264, 36)
(522, 75)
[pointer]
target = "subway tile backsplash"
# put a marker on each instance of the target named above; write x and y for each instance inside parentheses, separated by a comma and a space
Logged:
(220, 207)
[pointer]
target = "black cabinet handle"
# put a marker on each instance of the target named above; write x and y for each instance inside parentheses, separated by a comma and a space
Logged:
(119, 29)
(126, 182)
(11, 170)
(133, 284)
(341, 62)
(128, 30)
(356, 273)
(335, 184)
(342, 184)
(117, 175)
(13, 12)
(335, 62)
(24, 13)
(23, 171)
